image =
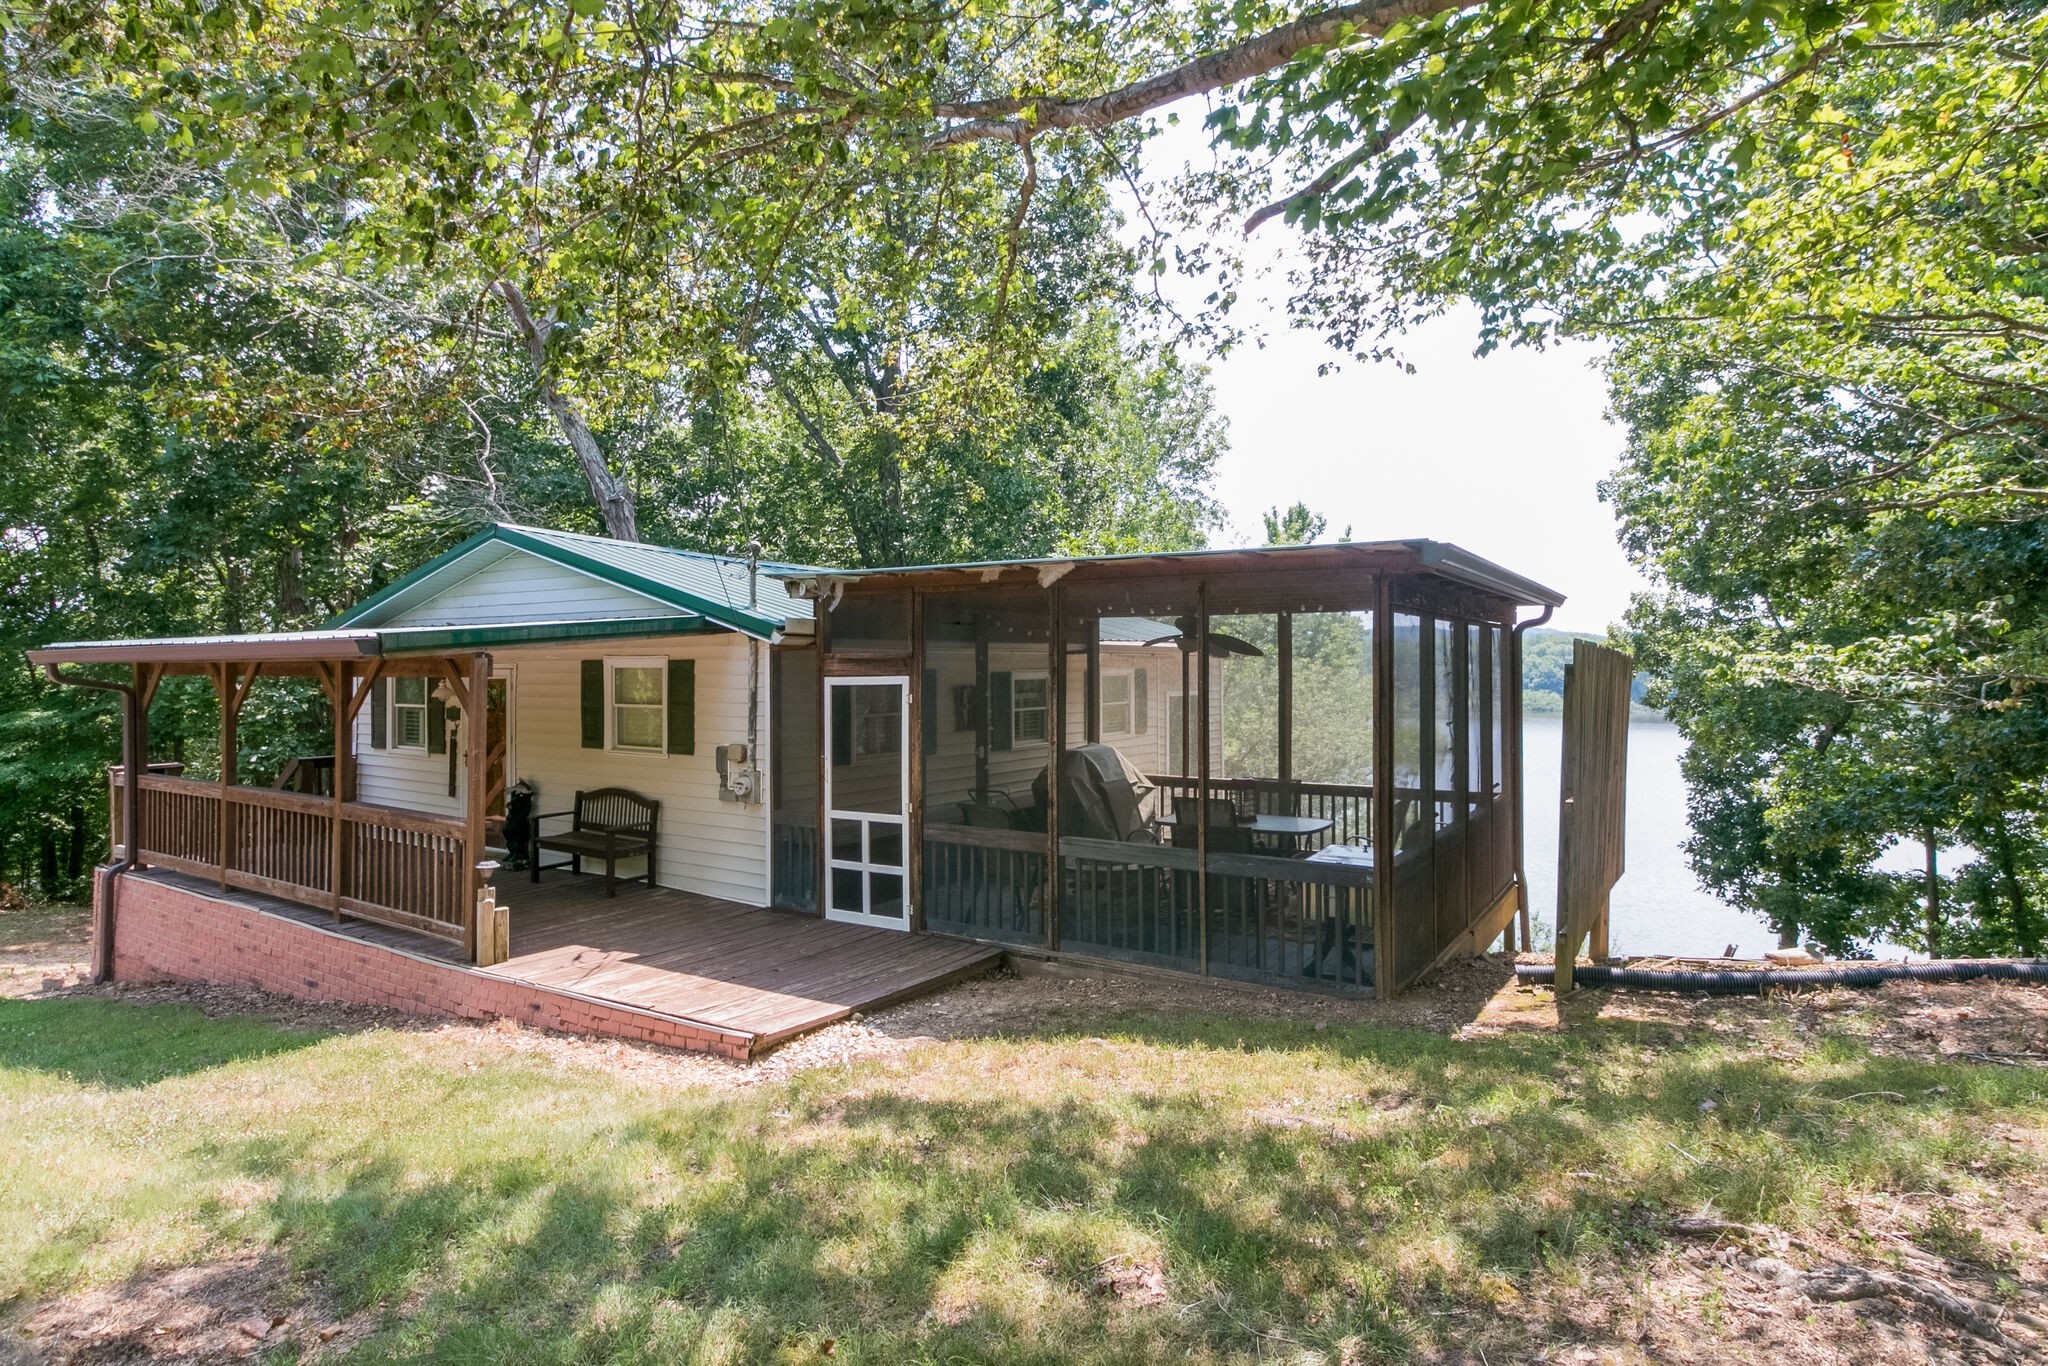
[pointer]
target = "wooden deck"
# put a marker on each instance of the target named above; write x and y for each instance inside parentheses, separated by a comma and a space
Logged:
(772, 974)
(769, 974)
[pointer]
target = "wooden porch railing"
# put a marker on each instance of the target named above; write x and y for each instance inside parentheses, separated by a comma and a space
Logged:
(1347, 806)
(401, 868)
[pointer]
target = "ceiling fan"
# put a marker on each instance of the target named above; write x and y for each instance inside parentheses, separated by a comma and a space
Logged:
(1221, 643)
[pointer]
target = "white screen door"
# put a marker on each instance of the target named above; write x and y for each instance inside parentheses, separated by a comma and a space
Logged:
(867, 801)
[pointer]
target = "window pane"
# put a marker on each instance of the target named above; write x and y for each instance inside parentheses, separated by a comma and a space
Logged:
(887, 890)
(637, 685)
(410, 692)
(846, 841)
(847, 886)
(639, 727)
(885, 844)
(1030, 692)
(412, 727)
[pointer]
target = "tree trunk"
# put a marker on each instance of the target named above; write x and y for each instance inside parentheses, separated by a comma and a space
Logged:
(613, 497)
(2025, 935)
(74, 857)
(1933, 909)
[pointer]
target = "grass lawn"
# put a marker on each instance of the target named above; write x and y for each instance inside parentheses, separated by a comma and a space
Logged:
(1122, 1185)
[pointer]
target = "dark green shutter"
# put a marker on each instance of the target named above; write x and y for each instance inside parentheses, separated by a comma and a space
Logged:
(928, 714)
(999, 710)
(437, 725)
(1141, 708)
(593, 704)
(682, 706)
(380, 713)
(842, 727)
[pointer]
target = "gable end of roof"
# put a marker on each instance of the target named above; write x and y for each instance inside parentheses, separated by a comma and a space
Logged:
(679, 579)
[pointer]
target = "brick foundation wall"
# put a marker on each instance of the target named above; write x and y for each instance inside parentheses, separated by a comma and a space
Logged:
(165, 933)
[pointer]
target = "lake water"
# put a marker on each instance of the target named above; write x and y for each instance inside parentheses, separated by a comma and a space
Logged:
(1658, 906)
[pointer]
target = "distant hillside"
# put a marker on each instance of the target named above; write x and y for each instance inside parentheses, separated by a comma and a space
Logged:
(1544, 654)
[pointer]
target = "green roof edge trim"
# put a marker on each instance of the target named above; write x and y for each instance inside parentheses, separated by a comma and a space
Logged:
(433, 639)
(738, 618)
(404, 581)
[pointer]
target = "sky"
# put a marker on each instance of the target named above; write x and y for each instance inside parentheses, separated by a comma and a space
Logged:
(1501, 455)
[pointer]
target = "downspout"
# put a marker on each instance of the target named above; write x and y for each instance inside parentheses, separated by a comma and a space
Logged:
(131, 817)
(1521, 813)
(754, 667)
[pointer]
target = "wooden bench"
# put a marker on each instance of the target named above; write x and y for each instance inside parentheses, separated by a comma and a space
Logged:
(610, 823)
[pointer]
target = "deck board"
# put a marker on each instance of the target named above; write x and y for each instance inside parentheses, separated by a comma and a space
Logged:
(773, 974)
(769, 973)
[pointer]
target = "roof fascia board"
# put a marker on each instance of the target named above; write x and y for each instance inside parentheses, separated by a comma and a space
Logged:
(284, 647)
(1462, 565)
(738, 618)
(409, 640)
(372, 605)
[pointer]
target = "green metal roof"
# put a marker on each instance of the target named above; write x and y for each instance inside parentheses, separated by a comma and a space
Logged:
(1439, 558)
(350, 643)
(713, 586)
(716, 586)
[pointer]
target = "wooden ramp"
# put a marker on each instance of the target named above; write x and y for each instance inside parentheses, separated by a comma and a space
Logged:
(770, 974)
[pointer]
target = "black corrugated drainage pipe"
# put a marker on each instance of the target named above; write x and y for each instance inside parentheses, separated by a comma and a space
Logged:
(1729, 983)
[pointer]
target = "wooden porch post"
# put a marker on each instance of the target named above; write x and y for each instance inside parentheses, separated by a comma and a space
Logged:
(1056, 689)
(232, 685)
(226, 682)
(913, 744)
(135, 762)
(1384, 932)
(339, 697)
(1202, 774)
(1285, 647)
(476, 747)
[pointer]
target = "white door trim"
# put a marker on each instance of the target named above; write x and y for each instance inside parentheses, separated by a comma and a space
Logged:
(868, 820)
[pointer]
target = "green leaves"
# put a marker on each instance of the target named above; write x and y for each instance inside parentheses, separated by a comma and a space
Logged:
(1837, 469)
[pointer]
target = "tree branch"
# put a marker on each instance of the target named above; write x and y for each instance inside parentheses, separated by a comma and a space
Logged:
(1016, 234)
(1013, 119)
(614, 499)
(1330, 179)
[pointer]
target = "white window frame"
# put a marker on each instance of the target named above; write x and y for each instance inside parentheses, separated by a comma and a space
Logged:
(612, 665)
(1044, 708)
(397, 728)
(1129, 702)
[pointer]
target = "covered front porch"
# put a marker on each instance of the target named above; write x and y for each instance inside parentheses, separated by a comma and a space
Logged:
(315, 843)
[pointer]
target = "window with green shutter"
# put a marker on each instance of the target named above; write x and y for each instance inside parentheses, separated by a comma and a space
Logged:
(682, 706)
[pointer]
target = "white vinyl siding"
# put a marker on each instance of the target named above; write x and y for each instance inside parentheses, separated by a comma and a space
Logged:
(1151, 750)
(523, 587)
(709, 846)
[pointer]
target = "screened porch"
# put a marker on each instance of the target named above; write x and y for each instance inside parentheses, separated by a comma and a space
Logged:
(1294, 767)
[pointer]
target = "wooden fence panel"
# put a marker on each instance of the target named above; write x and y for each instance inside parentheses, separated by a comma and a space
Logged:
(1592, 800)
